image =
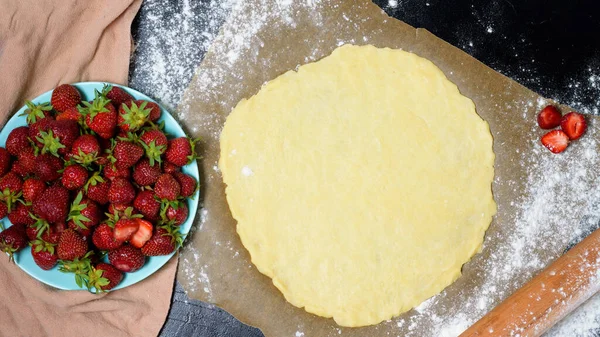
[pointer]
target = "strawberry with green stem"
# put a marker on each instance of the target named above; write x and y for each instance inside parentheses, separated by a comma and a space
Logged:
(116, 95)
(97, 188)
(125, 152)
(12, 240)
(33, 112)
(181, 151)
(85, 150)
(21, 215)
(100, 116)
(84, 214)
(133, 116)
(165, 240)
(44, 254)
(154, 143)
(11, 186)
(79, 266)
(103, 277)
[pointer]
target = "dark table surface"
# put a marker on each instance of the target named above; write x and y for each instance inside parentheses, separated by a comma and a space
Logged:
(550, 46)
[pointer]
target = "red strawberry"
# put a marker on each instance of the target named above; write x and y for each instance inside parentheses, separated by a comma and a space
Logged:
(147, 204)
(18, 139)
(104, 238)
(12, 240)
(167, 187)
(549, 117)
(71, 245)
(84, 232)
(85, 149)
(100, 116)
(28, 160)
(170, 168)
(116, 95)
(11, 186)
(17, 168)
(187, 183)
(111, 172)
(145, 174)
(97, 189)
(84, 214)
(12, 182)
(65, 96)
(4, 161)
(118, 211)
(3, 210)
(32, 189)
(125, 228)
(143, 234)
(126, 154)
(155, 144)
(67, 131)
(121, 191)
(155, 111)
(41, 230)
(47, 167)
(574, 125)
(74, 177)
(71, 114)
(36, 111)
(178, 215)
(20, 215)
(556, 141)
(180, 151)
(36, 129)
(53, 204)
(133, 116)
(126, 258)
(44, 254)
(105, 277)
(161, 243)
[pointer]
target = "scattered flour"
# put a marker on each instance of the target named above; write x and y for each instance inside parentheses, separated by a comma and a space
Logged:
(164, 67)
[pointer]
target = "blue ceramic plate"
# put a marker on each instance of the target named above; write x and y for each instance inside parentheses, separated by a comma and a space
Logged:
(66, 281)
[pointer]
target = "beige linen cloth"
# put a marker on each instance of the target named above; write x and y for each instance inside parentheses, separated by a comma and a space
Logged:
(44, 43)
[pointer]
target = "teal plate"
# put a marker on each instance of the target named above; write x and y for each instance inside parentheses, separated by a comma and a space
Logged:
(66, 281)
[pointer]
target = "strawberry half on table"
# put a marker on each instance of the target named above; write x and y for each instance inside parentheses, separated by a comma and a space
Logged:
(94, 187)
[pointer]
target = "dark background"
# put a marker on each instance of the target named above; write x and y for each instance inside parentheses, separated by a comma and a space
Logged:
(552, 47)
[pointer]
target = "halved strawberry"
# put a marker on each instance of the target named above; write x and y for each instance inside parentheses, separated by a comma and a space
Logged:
(143, 234)
(549, 117)
(556, 141)
(574, 125)
(125, 228)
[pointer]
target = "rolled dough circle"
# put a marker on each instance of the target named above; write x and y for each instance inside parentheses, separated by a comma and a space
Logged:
(360, 183)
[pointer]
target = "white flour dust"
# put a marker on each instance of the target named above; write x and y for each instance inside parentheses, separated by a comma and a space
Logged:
(552, 192)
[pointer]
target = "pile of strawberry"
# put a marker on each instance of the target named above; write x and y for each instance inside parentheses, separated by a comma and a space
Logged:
(572, 127)
(85, 179)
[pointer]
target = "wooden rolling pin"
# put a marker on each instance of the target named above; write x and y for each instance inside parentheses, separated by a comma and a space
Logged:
(548, 297)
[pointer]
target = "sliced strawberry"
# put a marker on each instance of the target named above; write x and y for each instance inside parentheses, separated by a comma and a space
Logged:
(549, 117)
(556, 141)
(574, 125)
(125, 228)
(143, 234)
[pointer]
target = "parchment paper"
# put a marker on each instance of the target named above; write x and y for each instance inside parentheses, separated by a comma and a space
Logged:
(233, 70)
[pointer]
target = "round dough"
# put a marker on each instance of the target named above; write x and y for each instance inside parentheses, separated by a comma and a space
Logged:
(360, 183)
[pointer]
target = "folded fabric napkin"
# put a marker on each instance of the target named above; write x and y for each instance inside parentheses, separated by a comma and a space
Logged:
(44, 43)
